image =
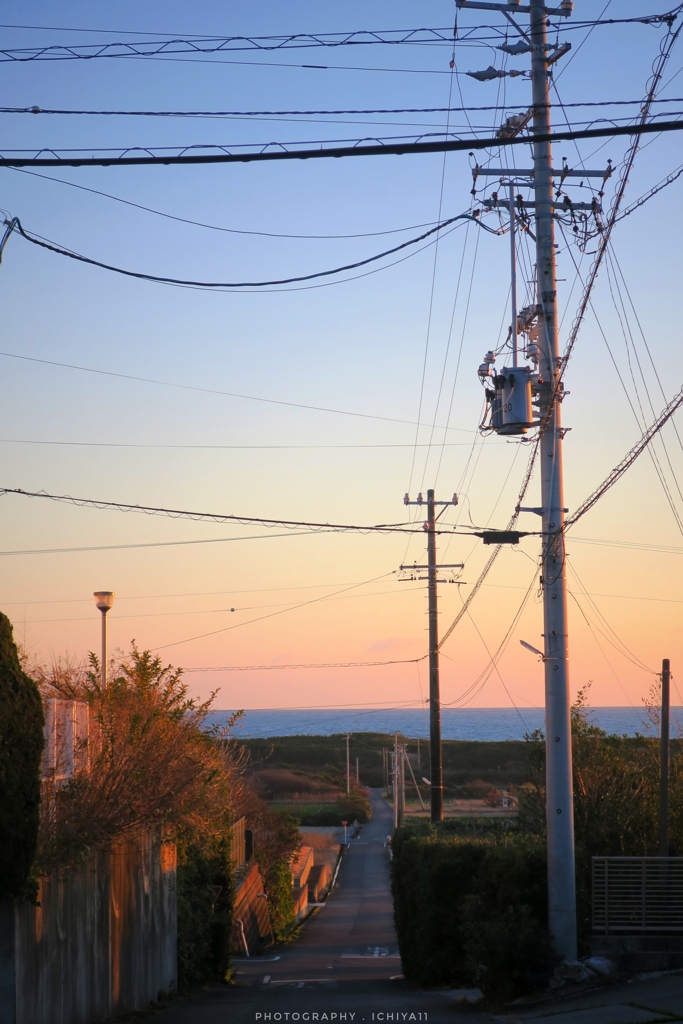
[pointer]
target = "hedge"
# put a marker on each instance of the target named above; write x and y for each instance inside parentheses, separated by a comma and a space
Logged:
(21, 747)
(204, 917)
(470, 905)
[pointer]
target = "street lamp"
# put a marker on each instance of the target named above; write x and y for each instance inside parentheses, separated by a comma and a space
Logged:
(104, 599)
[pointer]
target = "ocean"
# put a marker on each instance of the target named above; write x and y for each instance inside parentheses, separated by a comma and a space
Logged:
(456, 723)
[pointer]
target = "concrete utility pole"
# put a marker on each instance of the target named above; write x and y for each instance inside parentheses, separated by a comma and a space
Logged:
(559, 786)
(664, 761)
(559, 789)
(436, 766)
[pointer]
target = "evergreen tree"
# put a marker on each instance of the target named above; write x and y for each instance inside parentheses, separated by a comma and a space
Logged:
(21, 746)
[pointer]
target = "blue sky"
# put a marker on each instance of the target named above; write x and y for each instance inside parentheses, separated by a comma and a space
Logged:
(357, 346)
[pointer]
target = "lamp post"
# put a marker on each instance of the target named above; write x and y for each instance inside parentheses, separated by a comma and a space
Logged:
(104, 599)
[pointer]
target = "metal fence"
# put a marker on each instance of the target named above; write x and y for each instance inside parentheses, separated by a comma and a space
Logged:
(635, 895)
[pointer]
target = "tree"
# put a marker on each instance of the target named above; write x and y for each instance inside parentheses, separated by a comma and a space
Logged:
(21, 746)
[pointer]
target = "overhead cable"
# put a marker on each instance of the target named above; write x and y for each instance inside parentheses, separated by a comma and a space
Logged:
(218, 227)
(314, 113)
(223, 44)
(362, 147)
(642, 126)
(271, 615)
(16, 225)
(215, 391)
(278, 668)
(498, 548)
(217, 517)
(627, 460)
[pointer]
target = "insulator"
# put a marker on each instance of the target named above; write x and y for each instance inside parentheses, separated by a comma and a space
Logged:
(532, 352)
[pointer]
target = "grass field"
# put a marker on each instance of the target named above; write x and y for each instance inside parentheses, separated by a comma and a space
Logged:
(469, 767)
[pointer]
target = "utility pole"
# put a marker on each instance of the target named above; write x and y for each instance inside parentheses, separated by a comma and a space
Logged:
(559, 785)
(395, 779)
(401, 784)
(664, 761)
(348, 773)
(436, 766)
(357, 773)
(548, 388)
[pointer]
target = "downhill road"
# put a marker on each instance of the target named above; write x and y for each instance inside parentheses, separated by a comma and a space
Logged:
(344, 966)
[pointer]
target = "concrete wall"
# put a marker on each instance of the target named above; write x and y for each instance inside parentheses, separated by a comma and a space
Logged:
(103, 940)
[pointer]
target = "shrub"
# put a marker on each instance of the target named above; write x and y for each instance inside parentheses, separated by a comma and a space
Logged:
(204, 916)
(21, 746)
(470, 907)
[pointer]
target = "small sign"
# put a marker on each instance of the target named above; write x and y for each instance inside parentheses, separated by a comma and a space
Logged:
(217, 890)
(344, 823)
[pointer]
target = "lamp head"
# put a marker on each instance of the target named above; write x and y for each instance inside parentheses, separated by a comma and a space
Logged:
(104, 599)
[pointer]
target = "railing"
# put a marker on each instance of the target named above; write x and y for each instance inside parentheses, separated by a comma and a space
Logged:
(632, 895)
(238, 844)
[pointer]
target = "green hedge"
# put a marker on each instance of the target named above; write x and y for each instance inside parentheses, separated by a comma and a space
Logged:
(204, 918)
(21, 747)
(470, 905)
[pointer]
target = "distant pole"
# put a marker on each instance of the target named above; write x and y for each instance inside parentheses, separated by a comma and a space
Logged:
(664, 762)
(402, 784)
(434, 695)
(348, 771)
(104, 599)
(435, 757)
(419, 765)
(395, 779)
(357, 773)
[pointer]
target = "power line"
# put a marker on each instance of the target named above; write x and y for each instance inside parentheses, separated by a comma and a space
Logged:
(270, 615)
(496, 107)
(213, 391)
(361, 148)
(627, 461)
(277, 668)
(229, 447)
(15, 224)
(221, 611)
(215, 517)
(223, 44)
(152, 544)
(218, 227)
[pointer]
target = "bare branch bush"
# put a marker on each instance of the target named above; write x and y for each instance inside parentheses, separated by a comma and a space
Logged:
(151, 761)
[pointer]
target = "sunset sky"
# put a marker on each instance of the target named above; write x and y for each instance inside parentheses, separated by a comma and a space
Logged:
(160, 425)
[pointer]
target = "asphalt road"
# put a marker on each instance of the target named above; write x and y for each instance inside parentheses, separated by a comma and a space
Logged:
(345, 965)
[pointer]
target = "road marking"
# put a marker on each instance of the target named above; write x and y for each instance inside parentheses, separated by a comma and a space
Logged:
(266, 979)
(306, 981)
(249, 959)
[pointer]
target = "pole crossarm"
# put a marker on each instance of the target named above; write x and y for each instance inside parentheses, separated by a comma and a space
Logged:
(143, 157)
